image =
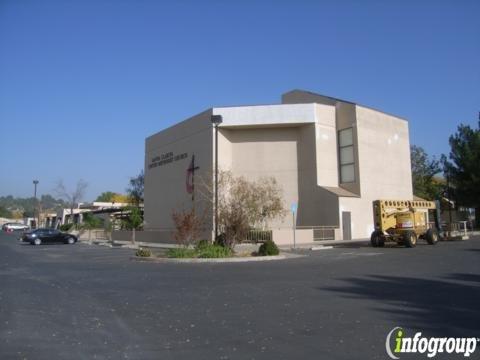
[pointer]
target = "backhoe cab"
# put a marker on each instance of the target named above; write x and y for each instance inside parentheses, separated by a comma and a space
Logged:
(404, 221)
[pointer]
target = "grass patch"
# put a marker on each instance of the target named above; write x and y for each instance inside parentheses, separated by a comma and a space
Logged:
(214, 251)
(180, 253)
(204, 251)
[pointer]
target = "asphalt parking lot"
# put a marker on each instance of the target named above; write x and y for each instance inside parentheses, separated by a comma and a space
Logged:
(89, 302)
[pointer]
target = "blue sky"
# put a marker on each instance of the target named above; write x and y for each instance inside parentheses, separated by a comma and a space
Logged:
(82, 83)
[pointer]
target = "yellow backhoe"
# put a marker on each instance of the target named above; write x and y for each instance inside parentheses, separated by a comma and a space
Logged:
(404, 222)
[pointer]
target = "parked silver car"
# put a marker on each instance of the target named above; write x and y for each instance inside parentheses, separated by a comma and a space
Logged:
(14, 226)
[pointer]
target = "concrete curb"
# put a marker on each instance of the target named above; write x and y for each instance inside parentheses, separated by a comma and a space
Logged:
(316, 248)
(216, 260)
(128, 244)
(325, 244)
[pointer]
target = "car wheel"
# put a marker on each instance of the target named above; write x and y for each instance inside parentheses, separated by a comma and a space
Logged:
(377, 239)
(431, 236)
(37, 241)
(70, 240)
(410, 239)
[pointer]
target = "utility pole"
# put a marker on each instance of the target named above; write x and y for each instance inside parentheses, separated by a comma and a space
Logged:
(449, 198)
(35, 207)
(216, 120)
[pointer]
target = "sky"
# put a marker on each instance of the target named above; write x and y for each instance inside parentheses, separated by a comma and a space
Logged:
(83, 83)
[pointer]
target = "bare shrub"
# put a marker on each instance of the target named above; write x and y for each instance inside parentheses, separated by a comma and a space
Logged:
(188, 226)
(244, 204)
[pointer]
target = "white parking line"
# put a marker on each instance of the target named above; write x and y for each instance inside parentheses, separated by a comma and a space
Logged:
(361, 254)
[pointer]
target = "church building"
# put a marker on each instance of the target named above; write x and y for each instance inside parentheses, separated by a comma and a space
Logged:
(332, 158)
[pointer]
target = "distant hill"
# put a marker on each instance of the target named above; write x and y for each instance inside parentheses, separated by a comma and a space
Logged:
(26, 205)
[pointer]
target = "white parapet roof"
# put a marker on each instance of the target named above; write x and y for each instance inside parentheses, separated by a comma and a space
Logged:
(283, 114)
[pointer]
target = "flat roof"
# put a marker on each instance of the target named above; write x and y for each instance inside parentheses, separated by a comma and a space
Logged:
(334, 99)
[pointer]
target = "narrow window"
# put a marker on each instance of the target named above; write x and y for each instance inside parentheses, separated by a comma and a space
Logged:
(347, 160)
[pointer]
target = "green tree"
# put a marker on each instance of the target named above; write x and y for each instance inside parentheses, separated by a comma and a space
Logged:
(90, 222)
(49, 202)
(71, 197)
(134, 220)
(106, 196)
(462, 167)
(424, 170)
(5, 213)
(28, 214)
(29, 204)
(136, 189)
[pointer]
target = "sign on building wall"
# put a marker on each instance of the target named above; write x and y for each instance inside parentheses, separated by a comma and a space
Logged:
(190, 181)
(165, 159)
(170, 157)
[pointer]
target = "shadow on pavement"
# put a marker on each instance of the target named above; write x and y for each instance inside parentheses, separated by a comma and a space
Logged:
(390, 244)
(439, 307)
(466, 277)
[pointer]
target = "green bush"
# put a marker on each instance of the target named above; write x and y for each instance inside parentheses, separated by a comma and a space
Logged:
(90, 221)
(181, 253)
(66, 227)
(268, 248)
(202, 244)
(214, 251)
(143, 253)
(221, 240)
(204, 250)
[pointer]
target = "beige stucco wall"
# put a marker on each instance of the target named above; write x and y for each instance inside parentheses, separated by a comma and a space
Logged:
(264, 152)
(153, 236)
(384, 151)
(326, 146)
(384, 162)
(298, 157)
(165, 186)
(281, 141)
(316, 206)
(225, 150)
(304, 97)
(346, 117)
(286, 237)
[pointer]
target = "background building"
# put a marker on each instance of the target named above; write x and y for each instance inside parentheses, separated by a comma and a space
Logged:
(332, 158)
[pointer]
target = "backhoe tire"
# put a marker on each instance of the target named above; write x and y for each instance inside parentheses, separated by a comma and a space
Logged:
(410, 239)
(377, 239)
(431, 236)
